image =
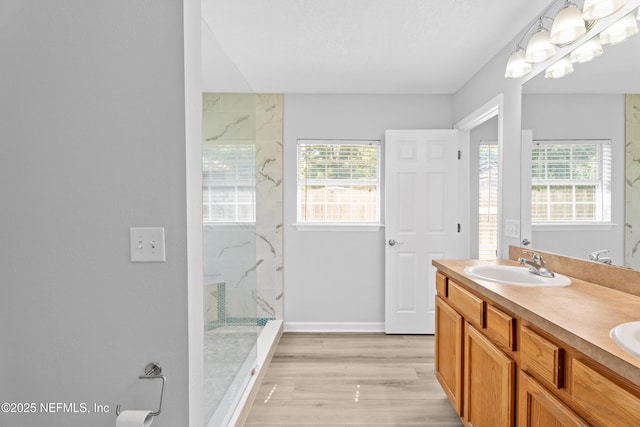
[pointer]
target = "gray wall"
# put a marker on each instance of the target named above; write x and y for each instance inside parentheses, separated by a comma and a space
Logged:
(485, 85)
(93, 142)
(335, 279)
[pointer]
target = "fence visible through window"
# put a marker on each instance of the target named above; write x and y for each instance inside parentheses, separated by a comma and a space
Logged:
(338, 182)
(571, 181)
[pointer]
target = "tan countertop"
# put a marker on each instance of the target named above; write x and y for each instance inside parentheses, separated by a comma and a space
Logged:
(581, 314)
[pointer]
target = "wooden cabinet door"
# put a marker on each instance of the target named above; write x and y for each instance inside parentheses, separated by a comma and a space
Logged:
(489, 382)
(539, 408)
(448, 352)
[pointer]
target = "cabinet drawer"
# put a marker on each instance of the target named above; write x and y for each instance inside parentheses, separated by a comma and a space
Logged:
(501, 325)
(602, 398)
(470, 306)
(540, 357)
(441, 284)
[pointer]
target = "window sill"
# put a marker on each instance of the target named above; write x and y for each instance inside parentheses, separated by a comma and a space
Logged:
(229, 225)
(573, 226)
(336, 227)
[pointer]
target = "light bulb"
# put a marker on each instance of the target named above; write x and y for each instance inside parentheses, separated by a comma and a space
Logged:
(620, 30)
(568, 26)
(559, 69)
(598, 9)
(516, 65)
(539, 47)
(588, 51)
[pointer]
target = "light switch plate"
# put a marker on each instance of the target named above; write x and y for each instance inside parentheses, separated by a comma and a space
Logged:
(147, 244)
(512, 228)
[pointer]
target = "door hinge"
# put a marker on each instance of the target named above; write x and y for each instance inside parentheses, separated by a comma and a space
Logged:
(458, 228)
(459, 154)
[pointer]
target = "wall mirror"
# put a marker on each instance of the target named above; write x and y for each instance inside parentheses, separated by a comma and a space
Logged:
(589, 105)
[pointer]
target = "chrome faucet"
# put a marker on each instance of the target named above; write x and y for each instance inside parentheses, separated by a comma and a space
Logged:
(598, 256)
(536, 264)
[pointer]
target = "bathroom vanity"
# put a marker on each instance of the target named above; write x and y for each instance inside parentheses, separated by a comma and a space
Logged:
(537, 356)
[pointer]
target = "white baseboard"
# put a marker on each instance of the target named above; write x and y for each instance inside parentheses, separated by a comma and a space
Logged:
(334, 326)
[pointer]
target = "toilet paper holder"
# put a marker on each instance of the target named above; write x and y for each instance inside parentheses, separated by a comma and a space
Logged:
(152, 371)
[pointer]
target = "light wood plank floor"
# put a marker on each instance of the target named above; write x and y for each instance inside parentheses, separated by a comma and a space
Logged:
(349, 379)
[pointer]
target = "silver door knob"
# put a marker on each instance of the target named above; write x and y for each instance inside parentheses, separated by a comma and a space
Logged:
(526, 242)
(393, 242)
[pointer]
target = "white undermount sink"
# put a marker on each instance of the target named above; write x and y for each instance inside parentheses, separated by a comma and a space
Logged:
(627, 336)
(519, 276)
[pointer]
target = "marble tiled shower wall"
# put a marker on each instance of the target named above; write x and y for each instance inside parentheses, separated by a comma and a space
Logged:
(247, 258)
(632, 180)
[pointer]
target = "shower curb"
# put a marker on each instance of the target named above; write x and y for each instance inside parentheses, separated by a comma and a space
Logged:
(267, 342)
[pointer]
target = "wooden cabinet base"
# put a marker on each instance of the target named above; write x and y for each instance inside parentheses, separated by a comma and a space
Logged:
(486, 355)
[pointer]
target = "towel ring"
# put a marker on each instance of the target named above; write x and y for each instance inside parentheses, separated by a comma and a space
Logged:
(152, 371)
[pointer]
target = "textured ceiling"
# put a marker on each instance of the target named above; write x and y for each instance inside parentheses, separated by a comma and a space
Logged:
(355, 46)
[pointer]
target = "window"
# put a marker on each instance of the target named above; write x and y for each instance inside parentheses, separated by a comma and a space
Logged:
(571, 182)
(488, 201)
(338, 182)
(229, 183)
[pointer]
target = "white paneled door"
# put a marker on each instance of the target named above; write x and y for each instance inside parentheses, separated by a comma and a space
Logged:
(421, 223)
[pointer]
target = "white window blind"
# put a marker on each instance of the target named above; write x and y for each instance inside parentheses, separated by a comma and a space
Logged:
(571, 181)
(229, 182)
(488, 202)
(338, 182)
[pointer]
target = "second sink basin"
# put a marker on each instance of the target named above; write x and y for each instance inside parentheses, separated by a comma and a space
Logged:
(519, 276)
(627, 336)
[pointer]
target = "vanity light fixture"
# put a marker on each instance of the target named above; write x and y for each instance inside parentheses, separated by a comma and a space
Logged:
(620, 30)
(598, 9)
(586, 52)
(539, 47)
(559, 69)
(517, 66)
(568, 26)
